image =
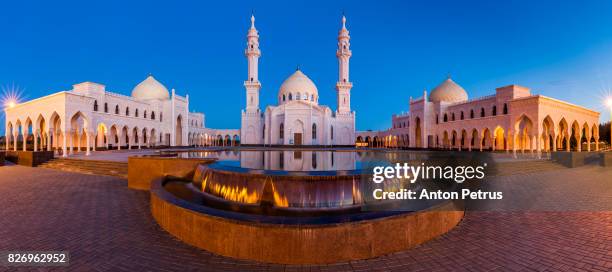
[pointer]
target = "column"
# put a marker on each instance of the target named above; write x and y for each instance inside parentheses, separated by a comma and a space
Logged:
(35, 141)
(79, 135)
(48, 141)
(25, 141)
(15, 141)
(567, 142)
(64, 143)
(87, 140)
(539, 147)
(493, 144)
(70, 142)
(554, 144)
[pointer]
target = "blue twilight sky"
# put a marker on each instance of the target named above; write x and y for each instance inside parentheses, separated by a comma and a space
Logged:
(561, 49)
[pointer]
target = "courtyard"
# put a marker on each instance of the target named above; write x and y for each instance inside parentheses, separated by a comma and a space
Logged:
(106, 226)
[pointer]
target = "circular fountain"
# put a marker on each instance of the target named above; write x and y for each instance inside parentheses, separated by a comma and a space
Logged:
(293, 207)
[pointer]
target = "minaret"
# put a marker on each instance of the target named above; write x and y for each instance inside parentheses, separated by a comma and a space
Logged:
(344, 85)
(252, 84)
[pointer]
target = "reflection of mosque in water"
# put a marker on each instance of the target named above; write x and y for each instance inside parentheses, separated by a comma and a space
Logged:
(287, 160)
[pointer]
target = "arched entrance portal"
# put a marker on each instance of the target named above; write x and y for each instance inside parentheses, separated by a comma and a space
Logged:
(178, 132)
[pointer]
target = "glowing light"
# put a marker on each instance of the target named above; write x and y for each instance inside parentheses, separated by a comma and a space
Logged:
(609, 102)
(11, 96)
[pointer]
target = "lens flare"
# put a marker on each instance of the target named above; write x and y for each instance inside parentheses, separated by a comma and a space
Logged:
(11, 96)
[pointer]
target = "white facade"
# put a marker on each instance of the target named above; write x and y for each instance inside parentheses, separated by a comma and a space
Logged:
(88, 117)
(298, 119)
(512, 119)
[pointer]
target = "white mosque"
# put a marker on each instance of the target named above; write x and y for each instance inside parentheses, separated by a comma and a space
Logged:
(88, 118)
(298, 119)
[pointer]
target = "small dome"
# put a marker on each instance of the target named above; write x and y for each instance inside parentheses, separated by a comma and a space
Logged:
(149, 89)
(448, 91)
(298, 87)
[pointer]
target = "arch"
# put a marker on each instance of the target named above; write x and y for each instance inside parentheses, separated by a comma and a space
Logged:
(563, 137)
(236, 140)
(523, 129)
(474, 139)
(548, 134)
(114, 136)
(586, 136)
(227, 140)
(454, 142)
(135, 136)
(417, 133)
(445, 140)
(486, 139)
(125, 138)
(576, 135)
(464, 139)
(153, 137)
(499, 139)
(178, 130)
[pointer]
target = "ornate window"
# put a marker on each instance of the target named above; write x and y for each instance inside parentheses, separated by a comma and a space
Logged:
(281, 132)
(161, 116)
(437, 119)
(263, 131)
(116, 109)
(136, 113)
(445, 117)
(106, 107)
(482, 112)
(145, 114)
(505, 108)
(494, 110)
(284, 98)
(95, 105)
(453, 117)
(314, 131)
(153, 115)
(290, 97)
(332, 133)
(471, 114)
(461, 115)
(127, 111)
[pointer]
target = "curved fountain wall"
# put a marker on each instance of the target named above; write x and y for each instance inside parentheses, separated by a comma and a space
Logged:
(268, 235)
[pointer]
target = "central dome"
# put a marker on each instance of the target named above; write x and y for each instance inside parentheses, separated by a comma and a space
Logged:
(149, 89)
(448, 91)
(298, 87)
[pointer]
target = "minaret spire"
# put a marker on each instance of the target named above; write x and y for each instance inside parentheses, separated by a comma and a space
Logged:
(252, 53)
(343, 86)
